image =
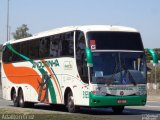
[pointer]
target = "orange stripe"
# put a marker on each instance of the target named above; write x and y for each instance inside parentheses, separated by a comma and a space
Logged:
(53, 79)
(23, 75)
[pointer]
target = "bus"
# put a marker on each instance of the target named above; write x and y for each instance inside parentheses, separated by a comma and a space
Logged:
(77, 66)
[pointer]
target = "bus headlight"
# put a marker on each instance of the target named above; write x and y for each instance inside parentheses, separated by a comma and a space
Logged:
(141, 93)
(94, 92)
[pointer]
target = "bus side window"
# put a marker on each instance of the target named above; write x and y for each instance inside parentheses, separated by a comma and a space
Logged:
(44, 47)
(34, 49)
(7, 55)
(67, 44)
(81, 56)
(69, 38)
(55, 46)
(25, 48)
(16, 58)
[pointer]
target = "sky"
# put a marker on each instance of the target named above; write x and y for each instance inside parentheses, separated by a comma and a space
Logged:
(43, 15)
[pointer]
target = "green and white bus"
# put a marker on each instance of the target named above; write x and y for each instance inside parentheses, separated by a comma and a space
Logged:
(76, 66)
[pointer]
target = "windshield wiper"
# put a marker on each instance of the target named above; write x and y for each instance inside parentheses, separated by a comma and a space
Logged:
(118, 68)
(126, 71)
(115, 70)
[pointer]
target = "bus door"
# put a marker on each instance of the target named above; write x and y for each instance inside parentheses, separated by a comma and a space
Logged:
(83, 82)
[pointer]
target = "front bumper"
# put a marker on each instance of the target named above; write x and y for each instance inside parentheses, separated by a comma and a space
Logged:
(107, 101)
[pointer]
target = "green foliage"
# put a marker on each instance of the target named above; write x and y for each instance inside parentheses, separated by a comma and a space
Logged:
(21, 32)
(0, 51)
(158, 56)
(1, 47)
(151, 76)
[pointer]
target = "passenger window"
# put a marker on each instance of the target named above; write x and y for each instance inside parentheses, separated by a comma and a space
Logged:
(25, 48)
(16, 57)
(55, 46)
(7, 55)
(33, 49)
(67, 44)
(44, 45)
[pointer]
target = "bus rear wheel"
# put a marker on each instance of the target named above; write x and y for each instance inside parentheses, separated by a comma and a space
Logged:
(70, 103)
(118, 109)
(15, 99)
(21, 99)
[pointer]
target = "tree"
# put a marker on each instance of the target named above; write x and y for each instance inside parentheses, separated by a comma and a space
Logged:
(21, 32)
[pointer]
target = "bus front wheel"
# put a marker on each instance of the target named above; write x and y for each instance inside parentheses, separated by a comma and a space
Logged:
(70, 103)
(118, 109)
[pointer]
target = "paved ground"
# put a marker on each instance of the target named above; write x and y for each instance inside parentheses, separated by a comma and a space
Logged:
(152, 109)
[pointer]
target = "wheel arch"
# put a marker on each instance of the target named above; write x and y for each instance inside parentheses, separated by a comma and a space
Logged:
(19, 89)
(12, 91)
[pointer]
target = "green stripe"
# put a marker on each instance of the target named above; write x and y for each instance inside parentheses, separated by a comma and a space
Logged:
(57, 80)
(50, 87)
(14, 51)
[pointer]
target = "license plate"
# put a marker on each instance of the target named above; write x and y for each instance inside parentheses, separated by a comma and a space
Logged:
(121, 101)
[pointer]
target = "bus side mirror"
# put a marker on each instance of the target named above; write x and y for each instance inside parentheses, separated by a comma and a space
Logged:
(89, 57)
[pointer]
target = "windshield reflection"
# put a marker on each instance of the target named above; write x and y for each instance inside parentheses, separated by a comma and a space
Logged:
(118, 68)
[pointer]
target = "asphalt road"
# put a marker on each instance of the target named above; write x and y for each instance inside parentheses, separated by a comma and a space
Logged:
(148, 112)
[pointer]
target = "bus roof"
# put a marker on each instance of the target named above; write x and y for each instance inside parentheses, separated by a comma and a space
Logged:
(85, 28)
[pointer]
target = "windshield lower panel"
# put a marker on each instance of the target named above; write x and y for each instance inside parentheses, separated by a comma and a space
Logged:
(118, 68)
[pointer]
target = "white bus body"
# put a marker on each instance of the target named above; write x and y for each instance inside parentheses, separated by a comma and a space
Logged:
(61, 66)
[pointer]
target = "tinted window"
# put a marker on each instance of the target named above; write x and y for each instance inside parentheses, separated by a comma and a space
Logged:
(55, 46)
(25, 48)
(46, 47)
(81, 56)
(67, 44)
(16, 57)
(33, 49)
(44, 44)
(115, 40)
(7, 55)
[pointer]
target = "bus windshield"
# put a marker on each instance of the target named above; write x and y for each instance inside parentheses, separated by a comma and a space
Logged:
(118, 68)
(115, 41)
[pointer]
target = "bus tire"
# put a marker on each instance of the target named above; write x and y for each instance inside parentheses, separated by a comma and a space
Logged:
(21, 99)
(70, 103)
(15, 99)
(118, 109)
